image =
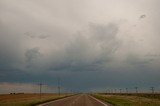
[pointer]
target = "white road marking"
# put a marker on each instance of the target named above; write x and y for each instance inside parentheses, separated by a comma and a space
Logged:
(75, 100)
(98, 101)
(54, 101)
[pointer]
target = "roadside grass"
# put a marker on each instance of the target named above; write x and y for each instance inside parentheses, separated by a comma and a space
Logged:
(124, 100)
(28, 99)
(147, 95)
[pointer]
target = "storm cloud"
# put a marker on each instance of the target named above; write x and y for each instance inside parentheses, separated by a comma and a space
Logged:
(89, 45)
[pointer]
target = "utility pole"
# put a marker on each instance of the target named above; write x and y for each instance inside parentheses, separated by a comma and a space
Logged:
(59, 88)
(126, 90)
(136, 89)
(152, 89)
(120, 90)
(115, 91)
(40, 89)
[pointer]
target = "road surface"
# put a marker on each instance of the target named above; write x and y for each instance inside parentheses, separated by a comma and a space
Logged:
(77, 100)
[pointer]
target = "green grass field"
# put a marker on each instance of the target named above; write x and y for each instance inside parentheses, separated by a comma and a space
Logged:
(27, 99)
(129, 100)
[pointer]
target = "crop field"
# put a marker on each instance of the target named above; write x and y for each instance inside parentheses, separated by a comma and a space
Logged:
(27, 99)
(130, 99)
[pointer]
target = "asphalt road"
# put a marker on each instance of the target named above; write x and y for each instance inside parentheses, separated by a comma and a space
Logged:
(77, 100)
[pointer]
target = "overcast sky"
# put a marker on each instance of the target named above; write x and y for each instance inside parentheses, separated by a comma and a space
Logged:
(88, 44)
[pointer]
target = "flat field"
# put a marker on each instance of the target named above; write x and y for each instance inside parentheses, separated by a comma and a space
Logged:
(27, 99)
(130, 100)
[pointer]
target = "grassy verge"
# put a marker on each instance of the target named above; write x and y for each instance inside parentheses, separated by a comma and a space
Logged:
(147, 95)
(28, 99)
(119, 100)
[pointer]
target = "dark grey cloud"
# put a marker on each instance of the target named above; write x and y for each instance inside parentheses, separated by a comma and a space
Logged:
(89, 51)
(35, 35)
(29, 34)
(138, 61)
(142, 16)
(42, 36)
(32, 54)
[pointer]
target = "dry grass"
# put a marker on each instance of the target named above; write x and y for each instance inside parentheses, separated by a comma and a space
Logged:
(26, 99)
(124, 100)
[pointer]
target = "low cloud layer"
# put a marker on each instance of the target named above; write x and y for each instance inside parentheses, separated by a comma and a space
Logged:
(104, 44)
